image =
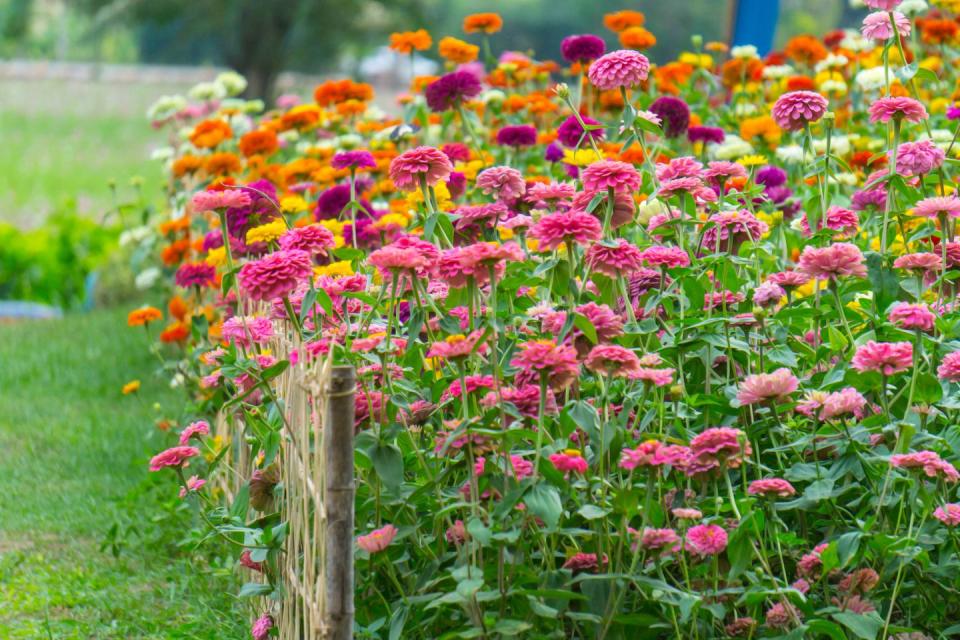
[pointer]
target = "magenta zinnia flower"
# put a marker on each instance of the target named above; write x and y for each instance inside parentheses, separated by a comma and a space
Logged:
(762, 387)
(275, 275)
(359, 159)
(673, 113)
(890, 108)
(623, 68)
(581, 48)
(707, 539)
(570, 133)
(566, 226)
(795, 110)
(917, 158)
(546, 357)
(315, 239)
(378, 539)
(261, 627)
(616, 259)
(949, 369)
(569, 461)
(887, 358)
(912, 316)
(195, 274)
(173, 457)
(610, 174)
(452, 89)
(517, 135)
(834, 261)
(659, 539)
(883, 5)
(731, 229)
(428, 163)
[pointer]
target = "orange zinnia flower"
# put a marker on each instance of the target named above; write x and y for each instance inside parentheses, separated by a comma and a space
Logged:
(259, 142)
(805, 49)
(221, 164)
(335, 91)
(186, 164)
(622, 20)
(178, 307)
(457, 51)
(486, 22)
(938, 30)
(637, 38)
(410, 41)
(176, 332)
(210, 133)
(143, 316)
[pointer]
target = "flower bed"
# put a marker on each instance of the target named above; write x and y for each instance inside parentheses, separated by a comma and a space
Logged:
(654, 351)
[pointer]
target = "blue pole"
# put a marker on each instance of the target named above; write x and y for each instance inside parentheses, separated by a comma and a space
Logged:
(755, 22)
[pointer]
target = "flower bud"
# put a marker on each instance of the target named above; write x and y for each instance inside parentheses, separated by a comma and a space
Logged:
(563, 90)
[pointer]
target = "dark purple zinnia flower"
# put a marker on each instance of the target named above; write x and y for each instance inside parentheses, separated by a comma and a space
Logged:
(553, 153)
(778, 194)
(569, 132)
(517, 135)
(674, 113)
(705, 134)
(867, 198)
(195, 274)
(451, 89)
(582, 47)
(332, 201)
(262, 209)
(456, 184)
(771, 176)
(456, 151)
(359, 159)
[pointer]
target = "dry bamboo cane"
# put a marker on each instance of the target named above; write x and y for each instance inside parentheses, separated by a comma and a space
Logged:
(338, 499)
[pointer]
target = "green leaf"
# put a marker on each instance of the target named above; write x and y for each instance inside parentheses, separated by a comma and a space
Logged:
(827, 628)
(782, 354)
(592, 512)
(543, 501)
(883, 281)
(388, 462)
(251, 589)
(479, 531)
(863, 626)
(241, 502)
(583, 323)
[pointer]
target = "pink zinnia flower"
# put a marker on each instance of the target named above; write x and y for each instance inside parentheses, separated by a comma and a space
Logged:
(839, 219)
(275, 275)
(687, 514)
(669, 257)
(427, 163)
(949, 369)
(720, 172)
(842, 404)
(929, 462)
(245, 331)
(889, 108)
(546, 357)
(457, 346)
(793, 111)
(583, 562)
(644, 455)
(936, 206)
(730, 229)
(917, 158)
(173, 457)
(887, 358)
(610, 174)
(203, 201)
(948, 514)
(706, 539)
(877, 25)
(919, 262)
(768, 294)
(612, 360)
(616, 259)
(656, 377)
(194, 429)
(659, 539)
(550, 193)
(261, 627)
(505, 182)
(782, 615)
(681, 167)
(883, 5)
(624, 68)
(377, 540)
(912, 316)
(762, 387)
(716, 447)
(315, 239)
(771, 487)
(789, 279)
(556, 229)
(569, 461)
(838, 259)
(194, 483)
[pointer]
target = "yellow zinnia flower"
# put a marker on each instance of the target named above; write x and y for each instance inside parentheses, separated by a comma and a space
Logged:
(267, 232)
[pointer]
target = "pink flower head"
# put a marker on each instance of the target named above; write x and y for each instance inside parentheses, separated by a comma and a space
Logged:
(612, 360)
(883, 5)
(668, 257)
(173, 457)
(768, 294)
(504, 182)
(717, 447)
(834, 261)
(569, 461)
(681, 167)
(655, 377)
(948, 514)
(546, 357)
(659, 539)
(763, 387)
(770, 487)
(732, 228)
(583, 562)
(261, 627)
(644, 455)
(887, 358)
(929, 462)
(918, 158)
(795, 110)
(194, 429)
(937, 206)
(275, 275)
(556, 229)
(378, 539)
(847, 402)
(457, 346)
(789, 279)
(393, 259)
(782, 615)
(912, 316)
(203, 201)
(315, 239)
(614, 259)
(687, 514)
(194, 483)
(720, 172)
(623, 68)
(245, 331)
(604, 175)
(844, 221)
(550, 193)
(419, 163)
(706, 539)
(890, 108)
(949, 369)
(919, 262)
(877, 25)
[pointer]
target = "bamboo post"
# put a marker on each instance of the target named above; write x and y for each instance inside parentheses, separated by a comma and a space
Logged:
(338, 501)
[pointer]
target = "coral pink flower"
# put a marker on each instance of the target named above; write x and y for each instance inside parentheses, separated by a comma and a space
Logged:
(793, 111)
(949, 369)
(948, 514)
(659, 539)
(546, 357)
(771, 487)
(883, 5)
(890, 108)
(315, 239)
(768, 294)
(392, 259)
(919, 262)
(842, 404)
(583, 562)
(844, 221)
(877, 25)
(669, 257)
(644, 455)
(933, 207)
(730, 229)
(929, 462)
(604, 175)
(887, 358)
(275, 275)
(194, 483)
(717, 447)
(917, 158)
(706, 539)
(720, 172)
(377, 540)
(569, 461)
(419, 163)
(194, 429)
(504, 182)
(912, 316)
(173, 457)
(457, 346)
(214, 200)
(550, 193)
(656, 377)
(782, 615)
(556, 229)
(834, 261)
(261, 627)
(624, 68)
(612, 360)
(616, 259)
(687, 514)
(789, 279)
(762, 387)
(245, 331)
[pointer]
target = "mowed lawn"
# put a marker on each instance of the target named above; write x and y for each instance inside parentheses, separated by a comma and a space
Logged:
(74, 464)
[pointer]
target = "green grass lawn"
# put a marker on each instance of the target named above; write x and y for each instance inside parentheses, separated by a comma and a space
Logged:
(75, 454)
